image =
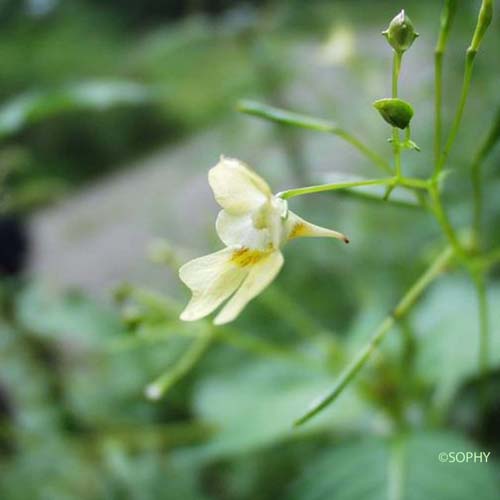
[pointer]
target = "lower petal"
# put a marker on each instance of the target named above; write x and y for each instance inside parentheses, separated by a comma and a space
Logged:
(261, 274)
(211, 279)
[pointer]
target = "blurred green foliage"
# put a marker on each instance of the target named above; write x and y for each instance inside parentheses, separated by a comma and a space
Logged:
(83, 93)
(85, 89)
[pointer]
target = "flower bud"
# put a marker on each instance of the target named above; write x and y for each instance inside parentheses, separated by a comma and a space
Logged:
(400, 34)
(395, 112)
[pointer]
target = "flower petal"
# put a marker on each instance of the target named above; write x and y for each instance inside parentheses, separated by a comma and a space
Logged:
(212, 279)
(300, 228)
(236, 230)
(237, 188)
(261, 274)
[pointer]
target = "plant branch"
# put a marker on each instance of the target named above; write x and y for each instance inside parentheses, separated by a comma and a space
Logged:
(477, 202)
(404, 305)
(182, 366)
(443, 219)
(484, 20)
(408, 182)
(490, 259)
(396, 68)
(289, 118)
(291, 193)
(477, 177)
(396, 141)
(447, 16)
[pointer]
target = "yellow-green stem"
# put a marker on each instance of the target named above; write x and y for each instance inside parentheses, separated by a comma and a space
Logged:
(438, 83)
(290, 193)
(477, 200)
(483, 22)
(404, 305)
(469, 65)
(407, 182)
(396, 68)
(443, 220)
(447, 16)
(290, 118)
(185, 363)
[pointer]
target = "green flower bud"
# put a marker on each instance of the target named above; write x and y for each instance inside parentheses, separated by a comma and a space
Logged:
(400, 34)
(395, 112)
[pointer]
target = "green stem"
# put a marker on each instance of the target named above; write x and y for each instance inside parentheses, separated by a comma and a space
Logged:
(484, 20)
(414, 183)
(447, 16)
(477, 198)
(290, 193)
(405, 304)
(469, 64)
(438, 105)
(171, 376)
(365, 150)
(284, 117)
(477, 177)
(396, 141)
(443, 220)
(396, 68)
(368, 197)
(490, 259)
(407, 182)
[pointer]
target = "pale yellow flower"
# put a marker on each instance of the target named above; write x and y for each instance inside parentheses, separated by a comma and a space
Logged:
(253, 224)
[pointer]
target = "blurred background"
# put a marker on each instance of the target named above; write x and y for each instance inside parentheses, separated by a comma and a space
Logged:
(111, 114)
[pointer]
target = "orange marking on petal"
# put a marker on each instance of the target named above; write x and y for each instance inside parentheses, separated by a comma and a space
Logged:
(299, 229)
(245, 257)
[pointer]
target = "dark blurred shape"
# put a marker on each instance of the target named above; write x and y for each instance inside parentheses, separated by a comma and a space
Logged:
(6, 416)
(13, 245)
(140, 12)
(477, 408)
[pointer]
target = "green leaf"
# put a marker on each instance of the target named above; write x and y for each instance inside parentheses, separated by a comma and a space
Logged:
(406, 469)
(65, 317)
(103, 382)
(26, 384)
(256, 405)
(447, 326)
(34, 107)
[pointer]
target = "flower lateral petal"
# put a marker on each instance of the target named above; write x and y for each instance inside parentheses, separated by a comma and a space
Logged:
(262, 273)
(212, 279)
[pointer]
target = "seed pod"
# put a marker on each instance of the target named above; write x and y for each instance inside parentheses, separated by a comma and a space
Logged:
(400, 34)
(395, 112)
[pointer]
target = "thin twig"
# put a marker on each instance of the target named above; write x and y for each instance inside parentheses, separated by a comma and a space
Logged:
(405, 304)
